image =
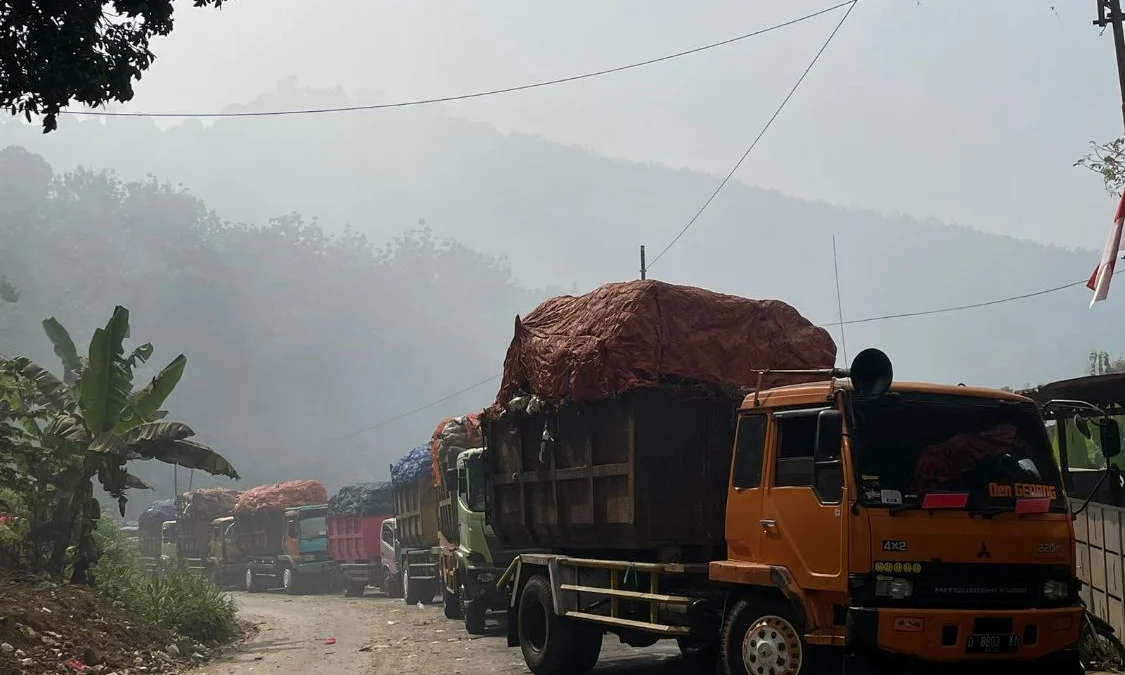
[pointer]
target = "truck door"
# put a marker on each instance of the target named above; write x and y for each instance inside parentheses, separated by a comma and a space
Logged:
(744, 501)
(291, 543)
(387, 547)
(802, 526)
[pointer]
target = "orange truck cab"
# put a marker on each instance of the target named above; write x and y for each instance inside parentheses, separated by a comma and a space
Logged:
(906, 523)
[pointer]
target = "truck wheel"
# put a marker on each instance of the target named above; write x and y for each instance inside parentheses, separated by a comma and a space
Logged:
(354, 589)
(551, 644)
(252, 585)
(289, 581)
(452, 604)
(763, 638)
(475, 614)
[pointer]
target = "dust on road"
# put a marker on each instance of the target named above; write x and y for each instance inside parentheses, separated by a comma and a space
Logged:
(378, 635)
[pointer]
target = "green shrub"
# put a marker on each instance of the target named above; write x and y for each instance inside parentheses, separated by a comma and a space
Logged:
(186, 603)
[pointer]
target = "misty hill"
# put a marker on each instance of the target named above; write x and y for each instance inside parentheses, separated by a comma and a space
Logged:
(293, 338)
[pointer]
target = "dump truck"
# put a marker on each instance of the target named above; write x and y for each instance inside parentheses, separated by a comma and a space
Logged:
(701, 471)
(279, 535)
(417, 552)
(196, 512)
(156, 537)
(356, 530)
(472, 558)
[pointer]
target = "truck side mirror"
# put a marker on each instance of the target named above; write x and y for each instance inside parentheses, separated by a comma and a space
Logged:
(829, 436)
(1110, 437)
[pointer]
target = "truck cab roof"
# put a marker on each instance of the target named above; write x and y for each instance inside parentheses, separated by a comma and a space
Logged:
(306, 509)
(813, 392)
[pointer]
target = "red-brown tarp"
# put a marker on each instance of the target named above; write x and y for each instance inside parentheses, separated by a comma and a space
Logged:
(634, 334)
(287, 495)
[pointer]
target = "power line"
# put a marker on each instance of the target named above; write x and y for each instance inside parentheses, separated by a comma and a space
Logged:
(957, 308)
(769, 123)
(415, 411)
(479, 94)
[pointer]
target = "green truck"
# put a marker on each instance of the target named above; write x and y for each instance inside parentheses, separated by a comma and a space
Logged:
(472, 565)
(472, 558)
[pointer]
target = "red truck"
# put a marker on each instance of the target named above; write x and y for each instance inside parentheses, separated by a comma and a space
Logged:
(360, 517)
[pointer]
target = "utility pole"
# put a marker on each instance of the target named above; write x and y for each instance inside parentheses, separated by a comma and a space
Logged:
(644, 270)
(1109, 13)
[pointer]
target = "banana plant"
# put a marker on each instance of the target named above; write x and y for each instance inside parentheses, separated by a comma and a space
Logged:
(99, 424)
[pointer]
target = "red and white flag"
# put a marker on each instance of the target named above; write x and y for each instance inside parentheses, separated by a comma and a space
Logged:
(1103, 273)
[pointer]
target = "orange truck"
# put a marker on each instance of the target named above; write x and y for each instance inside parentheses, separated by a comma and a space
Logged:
(839, 524)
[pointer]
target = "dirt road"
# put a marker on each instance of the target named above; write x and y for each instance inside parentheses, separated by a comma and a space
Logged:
(377, 635)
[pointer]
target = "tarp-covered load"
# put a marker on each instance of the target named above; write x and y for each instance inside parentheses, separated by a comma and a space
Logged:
(363, 499)
(207, 503)
(287, 495)
(453, 436)
(413, 466)
(637, 334)
(160, 511)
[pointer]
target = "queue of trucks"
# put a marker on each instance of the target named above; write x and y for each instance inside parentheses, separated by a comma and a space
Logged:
(667, 463)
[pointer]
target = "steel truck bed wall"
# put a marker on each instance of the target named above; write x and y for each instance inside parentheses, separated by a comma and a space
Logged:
(355, 539)
(259, 533)
(447, 514)
(416, 512)
(194, 540)
(639, 473)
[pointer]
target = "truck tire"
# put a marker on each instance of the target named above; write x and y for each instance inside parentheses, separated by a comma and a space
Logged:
(452, 604)
(354, 589)
(764, 638)
(290, 581)
(551, 644)
(475, 616)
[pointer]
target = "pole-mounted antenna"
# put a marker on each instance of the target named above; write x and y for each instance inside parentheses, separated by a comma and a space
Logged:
(644, 270)
(839, 303)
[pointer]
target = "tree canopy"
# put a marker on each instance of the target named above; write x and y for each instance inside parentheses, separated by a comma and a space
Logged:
(89, 51)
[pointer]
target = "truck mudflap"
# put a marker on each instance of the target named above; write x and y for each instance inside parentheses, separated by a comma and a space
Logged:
(940, 639)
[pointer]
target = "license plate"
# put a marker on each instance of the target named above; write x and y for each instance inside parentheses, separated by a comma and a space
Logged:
(993, 644)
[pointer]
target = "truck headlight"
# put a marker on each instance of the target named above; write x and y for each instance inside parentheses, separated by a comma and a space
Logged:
(893, 588)
(1056, 590)
(486, 577)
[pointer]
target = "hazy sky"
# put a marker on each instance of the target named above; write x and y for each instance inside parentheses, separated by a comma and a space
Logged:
(968, 111)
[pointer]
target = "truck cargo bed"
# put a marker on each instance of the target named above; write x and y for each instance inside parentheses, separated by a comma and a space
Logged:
(416, 512)
(641, 473)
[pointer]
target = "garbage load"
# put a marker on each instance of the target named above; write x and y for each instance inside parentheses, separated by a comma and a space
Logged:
(453, 436)
(286, 495)
(362, 499)
(207, 504)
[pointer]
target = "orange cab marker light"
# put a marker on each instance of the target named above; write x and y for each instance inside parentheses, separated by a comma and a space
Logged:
(1037, 505)
(945, 500)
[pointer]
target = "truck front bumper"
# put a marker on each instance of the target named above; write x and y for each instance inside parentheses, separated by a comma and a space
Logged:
(480, 586)
(991, 636)
(316, 567)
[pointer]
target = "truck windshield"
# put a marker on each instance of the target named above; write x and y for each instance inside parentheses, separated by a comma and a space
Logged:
(906, 446)
(475, 468)
(313, 527)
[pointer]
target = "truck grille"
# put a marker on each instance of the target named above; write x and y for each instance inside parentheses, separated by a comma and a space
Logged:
(968, 585)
